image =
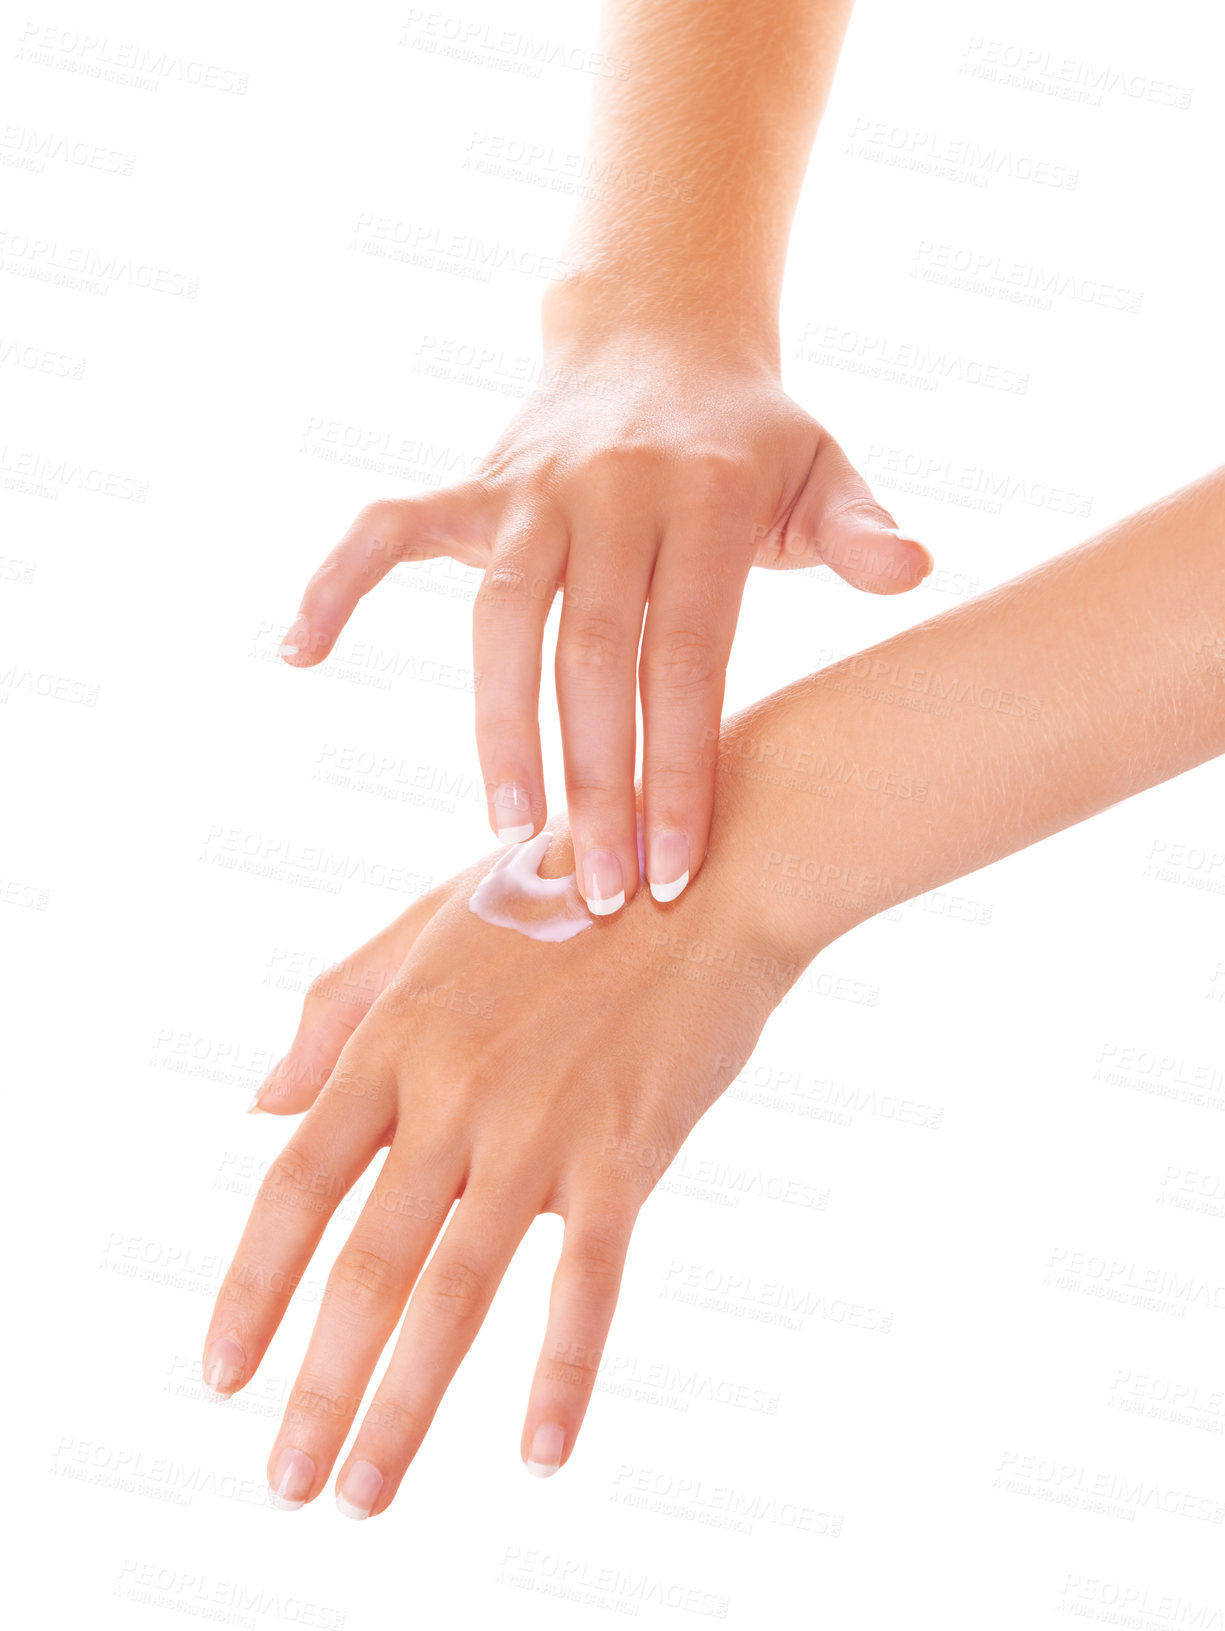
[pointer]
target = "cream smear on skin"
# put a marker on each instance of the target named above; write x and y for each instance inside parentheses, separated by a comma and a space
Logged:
(513, 895)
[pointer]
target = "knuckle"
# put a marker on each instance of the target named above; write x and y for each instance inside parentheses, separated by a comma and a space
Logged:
(618, 464)
(590, 791)
(596, 1258)
(321, 992)
(295, 1180)
(860, 507)
(317, 1401)
(399, 1418)
(675, 775)
(354, 1086)
(503, 583)
(717, 478)
(457, 1289)
(682, 659)
(376, 513)
(593, 643)
(362, 1275)
(380, 534)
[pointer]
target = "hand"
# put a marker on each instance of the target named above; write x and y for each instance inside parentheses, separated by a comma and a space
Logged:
(651, 468)
(462, 1047)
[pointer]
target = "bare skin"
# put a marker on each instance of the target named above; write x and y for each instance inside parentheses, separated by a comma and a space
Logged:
(518, 1078)
(660, 457)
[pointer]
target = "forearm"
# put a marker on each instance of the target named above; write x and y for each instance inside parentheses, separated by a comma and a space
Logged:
(698, 155)
(1096, 675)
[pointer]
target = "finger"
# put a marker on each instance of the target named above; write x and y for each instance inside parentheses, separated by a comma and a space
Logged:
(608, 570)
(691, 620)
(581, 1305)
(446, 1311)
(508, 619)
(365, 1296)
(335, 1005)
(453, 521)
(303, 1187)
(837, 521)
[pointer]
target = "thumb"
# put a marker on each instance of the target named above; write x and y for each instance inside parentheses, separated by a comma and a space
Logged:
(453, 521)
(837, 522)
(335, 1006)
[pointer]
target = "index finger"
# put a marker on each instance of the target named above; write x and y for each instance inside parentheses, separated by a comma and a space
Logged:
(303, 1187)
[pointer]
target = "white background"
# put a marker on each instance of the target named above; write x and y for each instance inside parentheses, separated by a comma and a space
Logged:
(1028, 1064)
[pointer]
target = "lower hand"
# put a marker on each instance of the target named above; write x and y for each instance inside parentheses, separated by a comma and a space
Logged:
(513, 1076)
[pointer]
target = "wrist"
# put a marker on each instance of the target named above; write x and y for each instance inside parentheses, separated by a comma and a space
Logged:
(795, 815)
(607, 310)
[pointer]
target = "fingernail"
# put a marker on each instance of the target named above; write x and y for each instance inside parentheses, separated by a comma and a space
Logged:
(669, 868)
(294, 638)
(512, 811)
(602, 885)
(363, 1481)
(544, 1457)
(292, 1478)
(223, 1365)
(255, 1105)
(905, 538)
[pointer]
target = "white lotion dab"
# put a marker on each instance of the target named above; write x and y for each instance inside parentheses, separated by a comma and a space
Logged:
(513, 895)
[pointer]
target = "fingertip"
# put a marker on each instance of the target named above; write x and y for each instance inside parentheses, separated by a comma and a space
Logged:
(601, 880)
(510, 813)
(222, 1367)
(295, 642)
(284, 1091)
(548, 1445)
(669, 866)
(882, 562)
(666, 892)
(306, 642)
(918, 560)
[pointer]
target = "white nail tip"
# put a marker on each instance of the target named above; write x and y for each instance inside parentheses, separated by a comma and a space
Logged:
(664, 892)
(288, 651)
(281, 1504)
(541, 1469)
(605, 908)
(348, 1510)
(516, 835)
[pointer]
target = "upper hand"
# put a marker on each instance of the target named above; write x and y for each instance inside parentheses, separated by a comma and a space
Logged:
(645, 476)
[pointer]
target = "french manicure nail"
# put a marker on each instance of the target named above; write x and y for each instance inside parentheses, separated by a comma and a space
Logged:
(362, 1484)
(294, 638)
(512, 811)
(255, 1106)
(669, 868)
(603, 887)
(544, 1457)
(292, 1478)
(223, 1364)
